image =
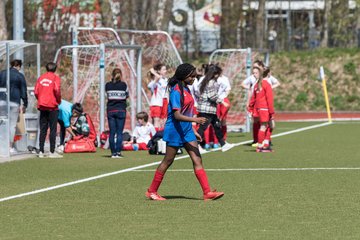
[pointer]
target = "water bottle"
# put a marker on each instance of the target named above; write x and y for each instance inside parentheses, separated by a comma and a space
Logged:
(135, 146)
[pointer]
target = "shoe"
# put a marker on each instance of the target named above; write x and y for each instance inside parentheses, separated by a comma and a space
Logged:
(227, 147)
(119, 155)
(207, 147)
(254, 145)
(216, 146)
(201, 150)
(13, 151)
(55, 155)
(41, 155)
(154, 196)
(60, 149)
(114, 156)
(264, 149)
(213, 195)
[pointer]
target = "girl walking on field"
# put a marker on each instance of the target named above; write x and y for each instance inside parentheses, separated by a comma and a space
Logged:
(179, 132)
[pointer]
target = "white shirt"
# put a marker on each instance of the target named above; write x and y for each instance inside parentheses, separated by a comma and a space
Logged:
(251, 81)
(158, 90)
(223, 83)
(144, 133)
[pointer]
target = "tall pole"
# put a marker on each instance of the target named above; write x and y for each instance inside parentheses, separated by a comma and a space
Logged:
(18, 28)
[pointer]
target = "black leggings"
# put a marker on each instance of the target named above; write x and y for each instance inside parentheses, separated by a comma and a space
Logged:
(215, 122)
(48, 119)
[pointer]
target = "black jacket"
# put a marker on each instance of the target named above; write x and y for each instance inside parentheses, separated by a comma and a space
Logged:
(18, 89)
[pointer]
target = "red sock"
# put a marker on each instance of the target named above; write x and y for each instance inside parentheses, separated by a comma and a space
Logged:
(203, 180)
(261, 136)
(156, 181)
(268, 134)
(224, 131)
(207, 133)
(256, 127)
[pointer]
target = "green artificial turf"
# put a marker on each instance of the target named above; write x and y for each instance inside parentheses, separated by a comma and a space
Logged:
(267, 195)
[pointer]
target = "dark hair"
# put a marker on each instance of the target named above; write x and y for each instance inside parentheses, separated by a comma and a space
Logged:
(116, 75)
(142, 115)
(266, 72)
(16, 63)
(210, 74)
(158, 66)
(259, 62)
(182, 72)
(77, 107)
(51, 67)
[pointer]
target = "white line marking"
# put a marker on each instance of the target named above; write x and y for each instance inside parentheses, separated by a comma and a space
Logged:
(254, 169)
(139, 167)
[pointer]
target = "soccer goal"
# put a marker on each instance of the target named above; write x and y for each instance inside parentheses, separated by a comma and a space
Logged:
(30, 54)
(157, 47)
(236, 65)
(84, 70)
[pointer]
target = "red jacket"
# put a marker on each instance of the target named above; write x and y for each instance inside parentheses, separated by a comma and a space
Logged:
(262, 98)
(47, 91)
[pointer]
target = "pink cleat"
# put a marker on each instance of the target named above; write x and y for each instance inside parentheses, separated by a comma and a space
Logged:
(154, 196)
(213, 195)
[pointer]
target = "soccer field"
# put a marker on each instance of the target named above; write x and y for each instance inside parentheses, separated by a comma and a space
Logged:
(307, 189)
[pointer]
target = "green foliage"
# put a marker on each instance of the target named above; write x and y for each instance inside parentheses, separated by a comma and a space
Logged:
(350, 68)
(301, 98)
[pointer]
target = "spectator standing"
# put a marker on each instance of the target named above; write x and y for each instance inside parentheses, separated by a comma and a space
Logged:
(261, 106)
(18, 92)
(158, 102)
(117, 92)
(48, 94)
(207, 104)
(272, 39)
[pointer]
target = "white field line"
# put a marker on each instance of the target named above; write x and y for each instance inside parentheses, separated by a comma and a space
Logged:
(255, 169)
(139, 167)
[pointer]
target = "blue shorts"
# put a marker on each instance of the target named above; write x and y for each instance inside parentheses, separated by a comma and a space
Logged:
(176, 134)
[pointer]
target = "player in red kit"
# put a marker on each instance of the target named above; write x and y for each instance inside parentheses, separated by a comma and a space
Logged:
(261, 105)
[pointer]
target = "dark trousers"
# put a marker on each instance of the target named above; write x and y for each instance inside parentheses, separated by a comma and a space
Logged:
(215, 122)
(62, 132)
(48, 119)
(116, 122)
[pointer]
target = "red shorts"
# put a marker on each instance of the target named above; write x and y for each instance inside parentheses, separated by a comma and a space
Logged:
(222, 111)
(164, 109)
(262, 114)
(155, 111)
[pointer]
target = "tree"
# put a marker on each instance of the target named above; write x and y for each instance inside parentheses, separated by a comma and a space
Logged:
(260, 24)
(325, 39)
(230, 21)
(3, 25)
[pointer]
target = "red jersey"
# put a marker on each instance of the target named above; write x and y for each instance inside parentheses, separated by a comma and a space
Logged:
(47, 91)
(262, 98)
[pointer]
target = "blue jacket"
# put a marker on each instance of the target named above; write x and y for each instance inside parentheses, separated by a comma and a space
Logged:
(18, 89)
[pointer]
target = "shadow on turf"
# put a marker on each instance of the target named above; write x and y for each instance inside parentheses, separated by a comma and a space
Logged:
(182, 197)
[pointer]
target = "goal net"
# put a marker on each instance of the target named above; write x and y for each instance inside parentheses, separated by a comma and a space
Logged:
(236, 65)
(80, 69)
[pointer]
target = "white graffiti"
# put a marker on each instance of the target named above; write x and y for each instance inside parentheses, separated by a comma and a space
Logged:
(58, 21)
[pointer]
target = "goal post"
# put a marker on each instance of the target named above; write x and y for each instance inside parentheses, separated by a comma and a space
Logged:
(31, 71)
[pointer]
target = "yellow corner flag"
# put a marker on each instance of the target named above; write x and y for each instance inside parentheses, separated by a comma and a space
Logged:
(323, 79)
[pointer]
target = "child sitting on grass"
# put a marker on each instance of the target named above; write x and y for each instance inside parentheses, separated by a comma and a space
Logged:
(143, 132)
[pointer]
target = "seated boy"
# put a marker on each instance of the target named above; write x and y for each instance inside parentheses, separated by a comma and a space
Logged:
(141, 135)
